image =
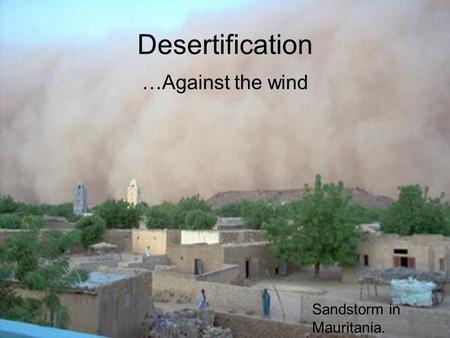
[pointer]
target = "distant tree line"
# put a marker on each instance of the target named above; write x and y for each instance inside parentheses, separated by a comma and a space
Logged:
(413, 212)
(188, 213)
(9, 206)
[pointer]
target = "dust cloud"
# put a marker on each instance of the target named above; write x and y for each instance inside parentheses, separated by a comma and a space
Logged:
(376, 113)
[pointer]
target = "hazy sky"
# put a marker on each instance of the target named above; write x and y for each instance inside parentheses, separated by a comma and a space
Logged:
(66, 20)
(73, 107)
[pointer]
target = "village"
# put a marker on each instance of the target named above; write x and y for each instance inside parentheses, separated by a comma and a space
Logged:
(196, 169)
(139, 275)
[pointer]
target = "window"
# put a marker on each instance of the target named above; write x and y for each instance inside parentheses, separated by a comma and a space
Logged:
(401, 251)
(366, 260)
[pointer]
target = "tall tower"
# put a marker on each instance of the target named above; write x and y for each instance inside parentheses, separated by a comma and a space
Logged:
(133, 193)
(80, 200)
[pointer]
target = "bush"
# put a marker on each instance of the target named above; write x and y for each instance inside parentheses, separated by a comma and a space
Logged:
(255, 213)
(173, 216)
(62, 210)
(118, 214)
(185, 205)
(200, 220)
(33, 222)
(232, 209)
(161, 216)
(57, 242)
(92, 229)
(24, 251)
(10, 221)
(415, 213)
(7, 205)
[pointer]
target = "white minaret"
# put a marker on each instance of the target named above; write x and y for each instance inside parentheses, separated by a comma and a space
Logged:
(133, 193)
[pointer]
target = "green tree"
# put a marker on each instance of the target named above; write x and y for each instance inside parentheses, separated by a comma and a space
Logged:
(118, 214)
(58, 242)
(185, 205)
(10, 221)
(255, 213)
(173, 215)
(324, 230)
(92, 229)
(7, 204)
(416, 213)
(28, 259)
(32, 222)
(142, 208)
(161, 216)
(14, 307)
(23, 250)
(200, 220)
(62, 210)
(232, 209)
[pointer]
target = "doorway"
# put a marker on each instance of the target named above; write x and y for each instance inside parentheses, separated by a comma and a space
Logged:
(198, 266)
(405, 261)
(247, 268)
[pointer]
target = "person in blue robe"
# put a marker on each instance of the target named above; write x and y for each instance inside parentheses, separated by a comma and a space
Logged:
(266, 303)
(202, 303)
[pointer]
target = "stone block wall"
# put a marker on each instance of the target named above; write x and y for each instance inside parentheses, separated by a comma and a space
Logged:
(123, 306)
(150, 263)
(119, 237)
(183, 256)
(83, 308)
(241, 236)
(412, 322)
(156, 239)
(251, 327)
(199, 236)
(258, 257)
(427, 250)
(115, 310)
(220, 296)
(228, 275)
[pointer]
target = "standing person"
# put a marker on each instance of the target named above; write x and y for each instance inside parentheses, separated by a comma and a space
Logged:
(266, 303)
(147, 252)
(201, 301)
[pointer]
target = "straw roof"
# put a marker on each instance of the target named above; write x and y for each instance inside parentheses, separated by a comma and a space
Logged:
(103, 245)
(387, 275)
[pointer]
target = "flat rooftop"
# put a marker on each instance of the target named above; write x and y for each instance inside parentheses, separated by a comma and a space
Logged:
(98, 279)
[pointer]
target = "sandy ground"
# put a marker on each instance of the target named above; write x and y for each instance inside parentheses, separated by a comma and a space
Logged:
(291, 287)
